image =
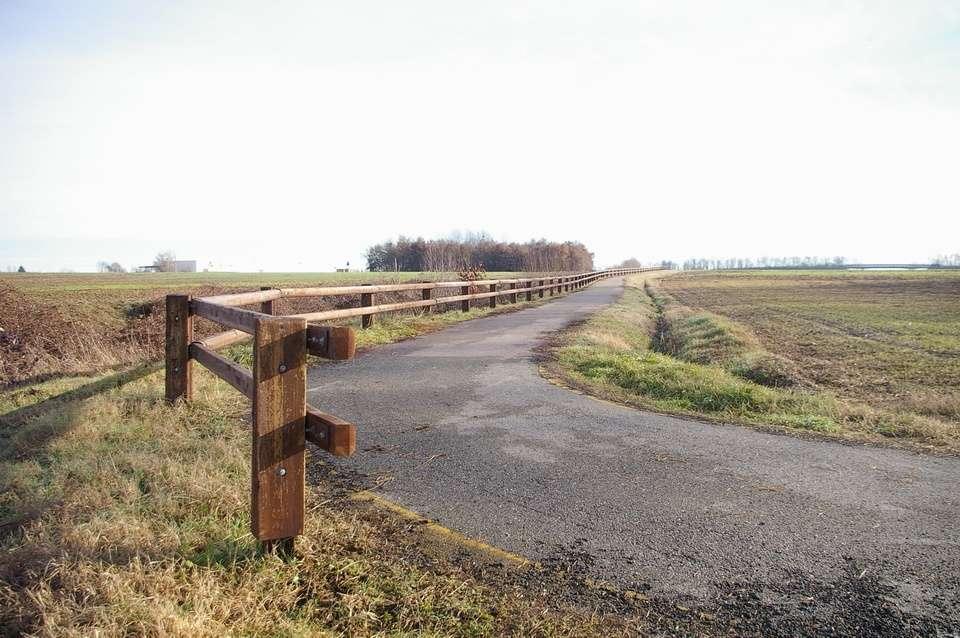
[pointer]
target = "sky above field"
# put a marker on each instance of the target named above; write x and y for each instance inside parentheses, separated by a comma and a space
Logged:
(291, 136)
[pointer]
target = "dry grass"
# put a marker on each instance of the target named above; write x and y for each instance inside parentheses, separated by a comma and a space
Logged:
(124, 516)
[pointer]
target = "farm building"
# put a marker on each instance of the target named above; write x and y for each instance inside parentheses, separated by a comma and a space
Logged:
(178, 266)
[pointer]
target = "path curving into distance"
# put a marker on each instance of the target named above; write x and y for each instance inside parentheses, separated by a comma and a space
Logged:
(458, 426)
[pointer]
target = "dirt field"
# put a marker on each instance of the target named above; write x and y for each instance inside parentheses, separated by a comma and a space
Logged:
(82, 323)
(890, 339)
(867, 356)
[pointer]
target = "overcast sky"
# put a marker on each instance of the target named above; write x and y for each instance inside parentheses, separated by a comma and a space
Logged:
(289, 136)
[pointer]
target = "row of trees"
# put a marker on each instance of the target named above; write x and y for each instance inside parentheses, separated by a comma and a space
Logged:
(163, 262)
(458, 253)
(106, 266)
(762, 262)
(946, 260)
(633, 262)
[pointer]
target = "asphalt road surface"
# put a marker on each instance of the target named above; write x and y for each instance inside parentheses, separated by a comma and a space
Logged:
(459, 426)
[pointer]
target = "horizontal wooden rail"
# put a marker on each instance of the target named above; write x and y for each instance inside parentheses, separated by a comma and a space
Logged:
(332, 342)
(246, 298)
(330, 433)
(224, 339)
(245, 320)
(234, 374)
(365, 310)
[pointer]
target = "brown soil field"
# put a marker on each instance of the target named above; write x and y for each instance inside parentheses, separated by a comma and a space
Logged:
(890, 339)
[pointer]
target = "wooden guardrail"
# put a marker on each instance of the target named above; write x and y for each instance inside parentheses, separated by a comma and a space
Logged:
(282, 419)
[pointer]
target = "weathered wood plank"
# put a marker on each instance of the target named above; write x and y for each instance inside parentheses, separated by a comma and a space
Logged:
(330, 291)
(332, 342)
(324, 315)
(178, 375)
(224, 339)
(234, 374)
(237, 318)
(279, 413)
(330, 433)
(366, 300)
(267, 307)
(425, 295)
(242, 298)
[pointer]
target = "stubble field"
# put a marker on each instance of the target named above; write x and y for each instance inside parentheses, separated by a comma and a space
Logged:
(888, 338)
(866, 355)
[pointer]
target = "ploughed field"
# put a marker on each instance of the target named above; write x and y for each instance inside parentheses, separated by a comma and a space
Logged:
(864, 355)
(53, 324)
(887, 338)
(890, 338)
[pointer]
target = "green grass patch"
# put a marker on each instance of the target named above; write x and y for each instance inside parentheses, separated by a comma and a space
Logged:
(707, 338)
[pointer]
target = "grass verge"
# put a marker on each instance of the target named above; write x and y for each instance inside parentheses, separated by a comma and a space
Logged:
(706, 338)
(648, 351)
(121, 515)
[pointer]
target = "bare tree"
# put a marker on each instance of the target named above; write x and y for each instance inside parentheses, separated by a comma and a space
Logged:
(165, 261)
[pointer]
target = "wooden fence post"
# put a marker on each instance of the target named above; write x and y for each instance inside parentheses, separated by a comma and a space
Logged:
(279, 415)
(267, 307)
(178, 378)
(366, 299)
(425, 294)
(493, 299)
(541, 289)
(513, 295)
(529, 284)
(465, 304)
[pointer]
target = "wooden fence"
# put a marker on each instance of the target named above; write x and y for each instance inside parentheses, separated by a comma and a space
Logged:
(282, 419)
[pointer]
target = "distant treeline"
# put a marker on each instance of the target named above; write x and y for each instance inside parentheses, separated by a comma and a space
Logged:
(763, 262)
(475, 250)
(737, 263)
(946, 260)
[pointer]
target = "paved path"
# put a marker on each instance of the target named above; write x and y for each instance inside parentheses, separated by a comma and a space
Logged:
(458, 426)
